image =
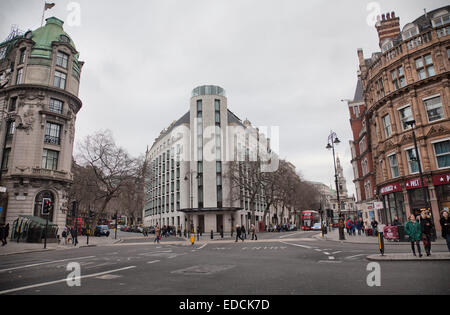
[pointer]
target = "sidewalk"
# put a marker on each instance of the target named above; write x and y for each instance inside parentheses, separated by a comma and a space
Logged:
(18, 248)
(363, 239)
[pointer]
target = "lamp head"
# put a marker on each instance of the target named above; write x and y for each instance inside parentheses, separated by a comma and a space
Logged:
(337, 141)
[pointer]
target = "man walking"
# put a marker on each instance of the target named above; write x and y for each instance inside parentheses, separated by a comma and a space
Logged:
(156, 234)
(243, 233)
(238, 232)
(427, 230)
(253, 231)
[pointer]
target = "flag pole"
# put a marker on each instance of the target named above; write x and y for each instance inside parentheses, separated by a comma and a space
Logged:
(43, 12)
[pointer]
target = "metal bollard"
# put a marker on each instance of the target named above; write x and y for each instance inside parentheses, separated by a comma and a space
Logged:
(212, 234)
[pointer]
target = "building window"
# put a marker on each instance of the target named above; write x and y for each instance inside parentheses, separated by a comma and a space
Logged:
(52, 133)
(12, 104)
(441, 20)
(11, 129)
(5, 161)
(398, 78)
(442, 152)
(393, 163)
(55, 106)
(405, 114)
(425, 67)
(356, 110)
(434, 109)
(413, 164)
(22, 56)
(19, 76)
(50, 159)
(59, 80)
(387, 126)
(62, 59)
(380, 89)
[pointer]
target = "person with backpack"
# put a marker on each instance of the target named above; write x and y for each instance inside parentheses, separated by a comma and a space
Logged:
(348, 226)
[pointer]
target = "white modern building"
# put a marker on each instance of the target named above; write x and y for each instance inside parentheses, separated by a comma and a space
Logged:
(187, 184)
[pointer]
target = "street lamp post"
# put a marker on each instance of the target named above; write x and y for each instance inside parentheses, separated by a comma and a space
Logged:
(190, 173)
(332, 140)
(412, 123)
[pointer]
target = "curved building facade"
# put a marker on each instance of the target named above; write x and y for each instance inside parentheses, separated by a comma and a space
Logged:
(39, 84)
(409, 81)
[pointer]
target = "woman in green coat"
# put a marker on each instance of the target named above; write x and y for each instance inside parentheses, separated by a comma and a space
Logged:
(413, 229)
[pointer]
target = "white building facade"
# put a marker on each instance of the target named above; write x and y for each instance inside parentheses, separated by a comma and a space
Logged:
(187, 186)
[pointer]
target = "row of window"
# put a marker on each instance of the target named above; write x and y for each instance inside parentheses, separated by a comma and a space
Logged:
(441, 151)
(59, 78)
(49, 159)
(424, 68)
(433, 108)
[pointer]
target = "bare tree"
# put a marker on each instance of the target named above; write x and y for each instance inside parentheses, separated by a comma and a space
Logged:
(111, 165)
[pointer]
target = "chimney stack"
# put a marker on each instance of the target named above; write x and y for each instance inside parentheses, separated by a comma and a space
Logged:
(388, 27)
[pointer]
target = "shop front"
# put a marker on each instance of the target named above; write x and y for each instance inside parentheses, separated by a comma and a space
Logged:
(394, 204)
(417, 195)
(442, 185)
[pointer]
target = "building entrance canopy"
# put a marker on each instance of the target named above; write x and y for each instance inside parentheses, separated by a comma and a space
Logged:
(196, 210)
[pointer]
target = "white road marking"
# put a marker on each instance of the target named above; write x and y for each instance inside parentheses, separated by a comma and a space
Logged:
(153, 261)
(46, 263)
(326, 253)
(330, 257)
(339, 251)
(318, 250)
(304, 246)
(203, 246)
(289, 235)
(330, 261)
(64, 280)
(354, 256)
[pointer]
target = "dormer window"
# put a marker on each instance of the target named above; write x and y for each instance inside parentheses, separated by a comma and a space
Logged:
(22, 56)
(440, 19)
(64, 39)
(62, 59)
(410, 30)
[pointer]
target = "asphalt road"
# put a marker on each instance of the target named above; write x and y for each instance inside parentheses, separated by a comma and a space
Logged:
(282, 264)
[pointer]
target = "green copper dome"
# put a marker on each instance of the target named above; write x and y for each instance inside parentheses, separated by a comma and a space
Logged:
(43, 37)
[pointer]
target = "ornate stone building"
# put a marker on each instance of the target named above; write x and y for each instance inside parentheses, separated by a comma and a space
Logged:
(408, 80)
(40, 77)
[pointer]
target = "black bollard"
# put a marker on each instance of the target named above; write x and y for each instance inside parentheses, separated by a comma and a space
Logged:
(212, 234)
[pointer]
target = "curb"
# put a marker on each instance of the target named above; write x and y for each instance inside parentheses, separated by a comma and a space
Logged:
(369, 243)
(378, 257)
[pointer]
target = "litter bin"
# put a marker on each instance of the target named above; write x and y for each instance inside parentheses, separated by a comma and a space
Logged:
(402, 237)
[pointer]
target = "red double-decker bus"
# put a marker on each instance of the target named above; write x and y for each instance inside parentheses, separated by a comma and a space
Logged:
(308, 218)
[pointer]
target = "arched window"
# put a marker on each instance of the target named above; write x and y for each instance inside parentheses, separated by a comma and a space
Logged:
(38, 204)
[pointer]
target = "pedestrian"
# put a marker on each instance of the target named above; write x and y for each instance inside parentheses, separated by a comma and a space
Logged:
(64, 236)
(253, 231)
(396, 221)
(243, 233)
(353, 229)
(238, 232)
(359, 226)
(74, 236)
(413, 229)
(348, 226)
(157, 230)
(198, 233)
(445, 225)
(374, 227)
(427, 231)
(2, 235)
(5, 234)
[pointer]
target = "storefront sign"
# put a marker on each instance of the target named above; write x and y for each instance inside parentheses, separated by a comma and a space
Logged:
(443, 179)
(391, 188)
(378, 205)
(415, 183)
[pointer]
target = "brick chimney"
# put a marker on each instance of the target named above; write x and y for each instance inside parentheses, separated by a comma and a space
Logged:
(388, 26)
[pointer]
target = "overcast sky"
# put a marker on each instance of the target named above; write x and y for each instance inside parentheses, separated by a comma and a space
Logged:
(285, 63)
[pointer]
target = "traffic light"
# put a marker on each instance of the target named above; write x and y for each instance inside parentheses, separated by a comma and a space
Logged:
(46, 205)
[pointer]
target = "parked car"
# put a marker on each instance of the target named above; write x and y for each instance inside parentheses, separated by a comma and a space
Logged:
(292, 227)
(316, 227)
(101, 230)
